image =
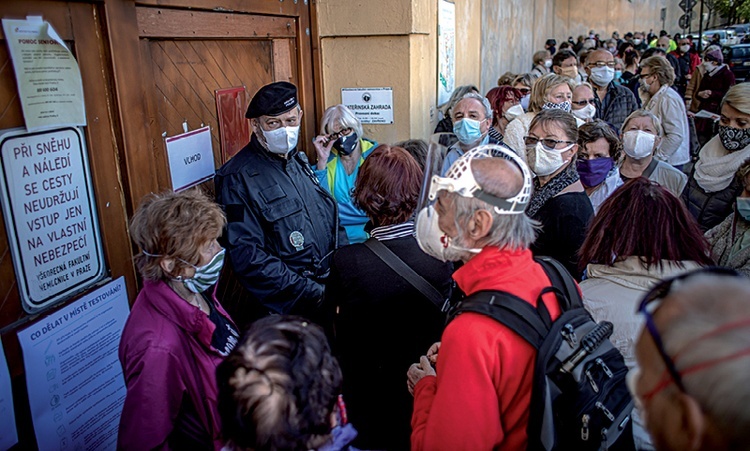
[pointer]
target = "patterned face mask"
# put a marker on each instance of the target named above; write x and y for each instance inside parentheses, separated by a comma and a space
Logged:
(734, 138)
(205, 276)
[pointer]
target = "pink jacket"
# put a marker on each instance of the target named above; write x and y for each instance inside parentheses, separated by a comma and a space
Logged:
(166, 353)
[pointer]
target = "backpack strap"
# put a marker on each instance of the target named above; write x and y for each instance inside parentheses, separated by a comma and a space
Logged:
(509, 310)
(407, 273)
(563, 282)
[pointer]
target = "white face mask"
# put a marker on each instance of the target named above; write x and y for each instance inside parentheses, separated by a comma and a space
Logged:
(525, 101)
(709, 66)
(637, 41)
(435, 242)
(585, 113)
(548, 63)
(513, 112)
(638, 144)
(684, 48)
(545, 162)
(282, 140)
(602, 76)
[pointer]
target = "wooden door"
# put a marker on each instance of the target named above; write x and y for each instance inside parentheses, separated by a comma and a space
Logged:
(186, 55)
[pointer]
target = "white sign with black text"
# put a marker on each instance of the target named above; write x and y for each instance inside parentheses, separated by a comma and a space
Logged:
(191, 158)
(50, 214)
(73, 374)
(370, 105)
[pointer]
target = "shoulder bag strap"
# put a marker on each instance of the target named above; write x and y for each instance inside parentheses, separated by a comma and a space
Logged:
(510, 311)
(561, 279)
(403, 270)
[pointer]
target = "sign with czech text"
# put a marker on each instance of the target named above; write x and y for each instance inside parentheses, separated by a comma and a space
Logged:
(191, 158)
(370, 105)
(50, 214)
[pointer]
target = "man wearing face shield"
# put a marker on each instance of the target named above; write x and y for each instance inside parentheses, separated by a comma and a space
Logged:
(341, 150)
(477, 396)
(281, 224)
(472, 125)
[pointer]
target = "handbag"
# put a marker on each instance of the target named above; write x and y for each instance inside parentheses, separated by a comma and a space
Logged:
(408, 274)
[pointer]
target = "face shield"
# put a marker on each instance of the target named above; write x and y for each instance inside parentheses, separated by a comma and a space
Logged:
(451, 173)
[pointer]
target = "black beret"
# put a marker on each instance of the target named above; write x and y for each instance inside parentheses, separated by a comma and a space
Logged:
(272, 100)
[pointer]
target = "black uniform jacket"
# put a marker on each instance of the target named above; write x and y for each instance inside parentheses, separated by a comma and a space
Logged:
(281, 227)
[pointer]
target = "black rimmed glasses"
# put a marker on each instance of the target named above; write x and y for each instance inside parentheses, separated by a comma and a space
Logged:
(549, 143)
(651, 302)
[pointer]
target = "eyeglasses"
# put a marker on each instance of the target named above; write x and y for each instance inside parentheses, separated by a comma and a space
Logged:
(603, 64)
(548, 143)
(524, 91)
(584, 102)
(343, 132)
(648, 306)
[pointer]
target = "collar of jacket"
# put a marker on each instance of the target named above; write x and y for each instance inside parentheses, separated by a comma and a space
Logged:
(163, 299)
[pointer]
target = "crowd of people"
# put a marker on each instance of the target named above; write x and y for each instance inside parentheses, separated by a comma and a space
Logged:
(347, 269)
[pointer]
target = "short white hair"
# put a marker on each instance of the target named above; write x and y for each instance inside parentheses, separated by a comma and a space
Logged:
(343, 116)
(482, 99)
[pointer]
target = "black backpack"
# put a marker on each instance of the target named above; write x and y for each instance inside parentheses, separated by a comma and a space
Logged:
(579, 398)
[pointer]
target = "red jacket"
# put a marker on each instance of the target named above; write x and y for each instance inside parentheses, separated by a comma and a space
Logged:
(480, 397)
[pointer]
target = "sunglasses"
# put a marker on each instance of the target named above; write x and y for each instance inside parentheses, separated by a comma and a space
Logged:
(648, 307)
(584, 102)
(548, 143)
(524, 91)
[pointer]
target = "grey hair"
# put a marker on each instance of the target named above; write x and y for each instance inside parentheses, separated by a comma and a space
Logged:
(341, 115)
(482, 99)
(705, 303)
(457, 95)
(500, 178)
(507, 231)
(644, 113)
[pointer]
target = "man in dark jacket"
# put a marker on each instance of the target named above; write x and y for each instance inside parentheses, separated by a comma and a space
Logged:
(613, 103)
(281, 224)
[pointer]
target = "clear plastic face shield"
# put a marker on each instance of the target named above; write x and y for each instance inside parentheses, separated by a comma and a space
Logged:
(447, 170)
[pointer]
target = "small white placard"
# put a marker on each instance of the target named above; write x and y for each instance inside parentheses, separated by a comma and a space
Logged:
(703, 114)
(8, 434)
(191, 158)
(73, 374)
(370, 105)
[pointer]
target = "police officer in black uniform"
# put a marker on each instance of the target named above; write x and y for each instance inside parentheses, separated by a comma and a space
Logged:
(282, 226)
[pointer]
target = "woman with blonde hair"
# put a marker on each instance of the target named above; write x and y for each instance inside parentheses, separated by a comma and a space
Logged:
(549, 92)
(657, 77)
(341, 150)
(713, 187)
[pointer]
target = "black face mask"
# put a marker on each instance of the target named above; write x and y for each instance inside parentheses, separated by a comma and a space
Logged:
(345, 145)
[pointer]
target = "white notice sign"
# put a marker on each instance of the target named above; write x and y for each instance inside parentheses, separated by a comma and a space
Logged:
(370, 105)
(47, 75)
(191, 158)
(50, 215)
(8, 434)
(73, 374)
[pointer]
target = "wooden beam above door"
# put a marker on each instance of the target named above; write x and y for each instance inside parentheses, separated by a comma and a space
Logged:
(174, 23)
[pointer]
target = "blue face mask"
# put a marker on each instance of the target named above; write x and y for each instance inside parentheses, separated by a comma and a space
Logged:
(467, 131)
(743, 207)
(618, 77)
